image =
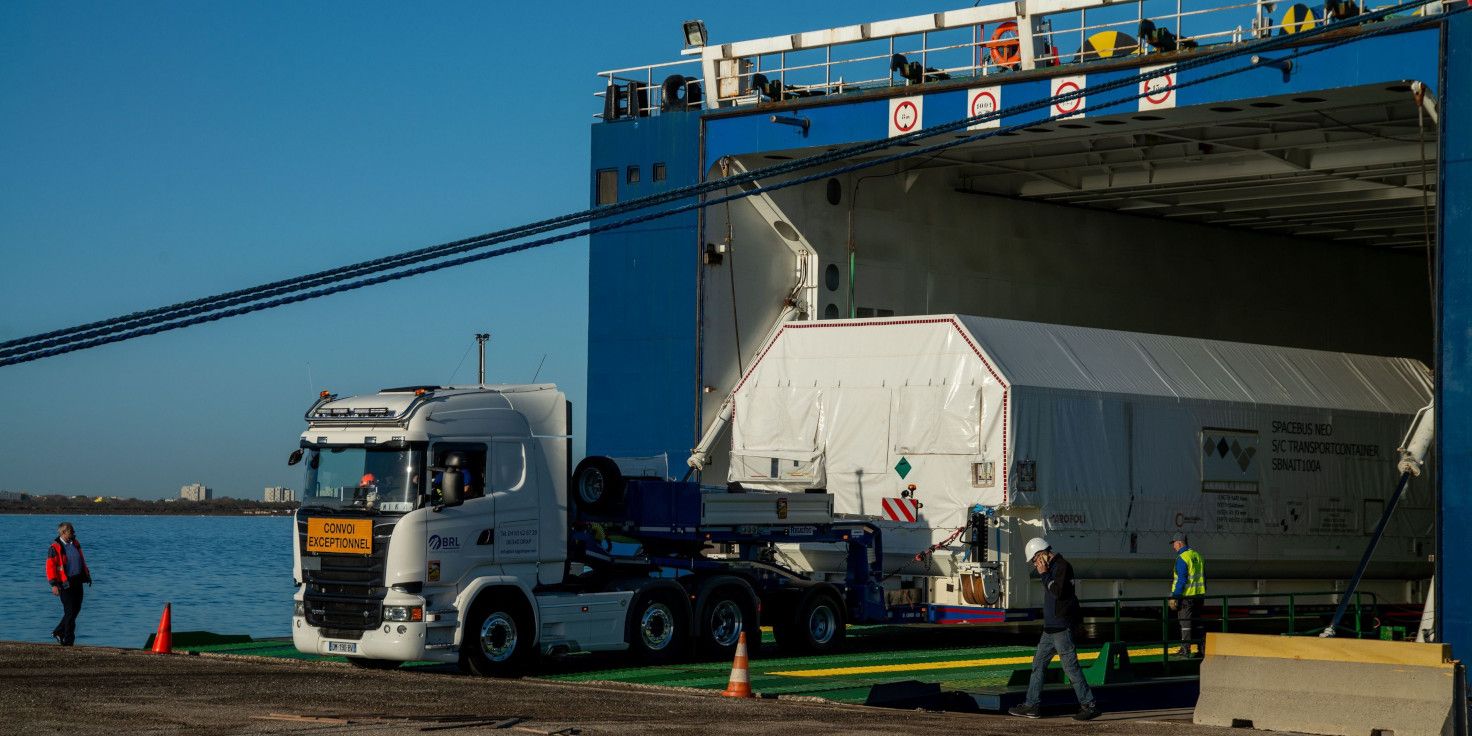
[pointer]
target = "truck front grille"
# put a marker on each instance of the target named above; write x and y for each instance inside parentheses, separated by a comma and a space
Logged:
(346, 593)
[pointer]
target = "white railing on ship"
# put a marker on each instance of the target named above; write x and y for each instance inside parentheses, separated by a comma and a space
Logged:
(644, 75)
(1059, 38)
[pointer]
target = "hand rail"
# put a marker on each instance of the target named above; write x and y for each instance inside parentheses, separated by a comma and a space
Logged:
(964, 44)
(1293, 600)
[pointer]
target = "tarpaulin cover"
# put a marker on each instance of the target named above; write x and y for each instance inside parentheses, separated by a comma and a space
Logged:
(880, 396)
(1100, 433)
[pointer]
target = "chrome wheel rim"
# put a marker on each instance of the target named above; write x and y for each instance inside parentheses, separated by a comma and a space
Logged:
(822, 623)
(590, 487)
(498, 636)
(725, 623)
(657, 627)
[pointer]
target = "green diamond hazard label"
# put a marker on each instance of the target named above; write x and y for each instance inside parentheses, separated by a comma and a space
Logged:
(902, 467)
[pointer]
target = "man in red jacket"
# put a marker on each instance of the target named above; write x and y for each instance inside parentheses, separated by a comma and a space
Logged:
(66, 570)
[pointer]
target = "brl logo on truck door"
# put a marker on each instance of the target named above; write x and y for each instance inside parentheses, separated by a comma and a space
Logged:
(437, 542)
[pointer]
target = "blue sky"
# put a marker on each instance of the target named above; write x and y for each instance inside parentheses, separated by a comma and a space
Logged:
(152, 152)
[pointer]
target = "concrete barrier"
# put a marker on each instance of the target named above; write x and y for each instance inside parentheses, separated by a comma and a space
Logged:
(1343, 687)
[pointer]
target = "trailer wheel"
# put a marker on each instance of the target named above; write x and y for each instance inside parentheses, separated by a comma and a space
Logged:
(374, 664)
(498, 639)
(815, 626)
(725, 613)
(597, 485)
(659, 626)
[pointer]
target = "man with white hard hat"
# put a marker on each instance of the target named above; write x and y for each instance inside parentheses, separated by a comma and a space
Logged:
(1061, 613)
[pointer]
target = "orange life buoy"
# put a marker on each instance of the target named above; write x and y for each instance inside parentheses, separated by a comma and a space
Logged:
(1006, 51)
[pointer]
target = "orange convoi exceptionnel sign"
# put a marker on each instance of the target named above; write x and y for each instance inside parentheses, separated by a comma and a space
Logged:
(340, 536)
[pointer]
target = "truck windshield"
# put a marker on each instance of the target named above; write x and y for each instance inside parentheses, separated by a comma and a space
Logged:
(367, 478)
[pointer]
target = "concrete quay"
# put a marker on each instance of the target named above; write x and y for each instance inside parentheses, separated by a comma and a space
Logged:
(98, 690)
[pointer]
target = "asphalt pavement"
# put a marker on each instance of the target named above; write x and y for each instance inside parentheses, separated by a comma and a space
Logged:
(46, 689)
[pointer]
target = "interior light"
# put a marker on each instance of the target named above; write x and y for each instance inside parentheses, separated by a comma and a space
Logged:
(695, 34)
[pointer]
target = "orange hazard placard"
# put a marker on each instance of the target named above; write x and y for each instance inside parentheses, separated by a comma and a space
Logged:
(340, 536)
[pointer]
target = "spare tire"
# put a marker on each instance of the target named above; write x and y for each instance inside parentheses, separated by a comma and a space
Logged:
(597, 486)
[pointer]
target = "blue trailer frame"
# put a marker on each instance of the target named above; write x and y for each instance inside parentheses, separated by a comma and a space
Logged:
(669, 512)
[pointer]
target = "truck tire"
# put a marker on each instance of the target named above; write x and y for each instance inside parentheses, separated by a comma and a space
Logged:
(726, 608)
(374, 664)
(598, 486)
(659, 626)
(815, 625)
(499, 640)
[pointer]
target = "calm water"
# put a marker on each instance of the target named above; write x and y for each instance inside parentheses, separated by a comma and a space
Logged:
(227, 574)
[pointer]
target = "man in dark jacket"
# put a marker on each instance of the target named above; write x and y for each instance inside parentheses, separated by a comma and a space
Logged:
(66, 570)
(1061, 613)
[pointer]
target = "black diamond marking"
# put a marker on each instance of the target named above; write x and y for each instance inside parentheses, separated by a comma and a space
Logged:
(1221, 447)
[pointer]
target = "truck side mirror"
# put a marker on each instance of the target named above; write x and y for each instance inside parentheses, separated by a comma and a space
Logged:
(451, 488)
(295, 457)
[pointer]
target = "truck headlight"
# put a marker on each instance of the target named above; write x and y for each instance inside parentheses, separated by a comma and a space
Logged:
(403, 613)
(300, 610)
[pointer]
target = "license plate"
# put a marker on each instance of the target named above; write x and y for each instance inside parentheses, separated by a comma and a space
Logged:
(342, 647)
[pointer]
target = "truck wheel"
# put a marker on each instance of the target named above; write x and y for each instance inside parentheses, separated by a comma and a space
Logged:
(659, 626)
(815, 626)
(597, 485)
(374, 664)
(725, 613)
(498, 639)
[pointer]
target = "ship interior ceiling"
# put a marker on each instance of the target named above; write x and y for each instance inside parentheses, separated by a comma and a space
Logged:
(1352, 165)
(1345, 177)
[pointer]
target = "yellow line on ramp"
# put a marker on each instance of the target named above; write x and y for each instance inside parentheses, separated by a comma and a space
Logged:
(950, 665)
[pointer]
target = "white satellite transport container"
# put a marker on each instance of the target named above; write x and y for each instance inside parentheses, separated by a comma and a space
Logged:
(1275, 461)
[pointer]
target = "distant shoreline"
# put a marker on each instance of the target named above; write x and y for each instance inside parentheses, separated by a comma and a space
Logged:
(121, 512)
(87, 506)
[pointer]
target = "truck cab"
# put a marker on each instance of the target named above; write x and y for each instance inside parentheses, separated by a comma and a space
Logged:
(419, 503)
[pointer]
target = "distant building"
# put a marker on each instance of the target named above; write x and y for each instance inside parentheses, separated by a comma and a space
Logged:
(196, 492)
(279, 494)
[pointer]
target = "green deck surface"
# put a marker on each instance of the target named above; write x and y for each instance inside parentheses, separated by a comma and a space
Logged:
(919, 655)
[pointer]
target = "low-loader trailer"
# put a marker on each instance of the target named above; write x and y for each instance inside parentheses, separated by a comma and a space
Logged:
(880, 471)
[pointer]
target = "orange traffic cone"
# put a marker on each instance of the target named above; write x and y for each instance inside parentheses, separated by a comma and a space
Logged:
(163, 641)
(740, 684)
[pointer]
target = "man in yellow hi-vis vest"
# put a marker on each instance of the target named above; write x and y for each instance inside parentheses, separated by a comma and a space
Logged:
(1187, 593)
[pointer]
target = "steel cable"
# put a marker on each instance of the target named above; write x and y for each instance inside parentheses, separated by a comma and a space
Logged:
(204, 310)
(199, 306)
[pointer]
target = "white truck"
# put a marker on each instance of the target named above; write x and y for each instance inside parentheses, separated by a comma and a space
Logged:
(435, 525)
(447, 524)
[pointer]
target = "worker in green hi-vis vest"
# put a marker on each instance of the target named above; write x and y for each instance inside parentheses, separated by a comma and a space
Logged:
(1187, 594)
